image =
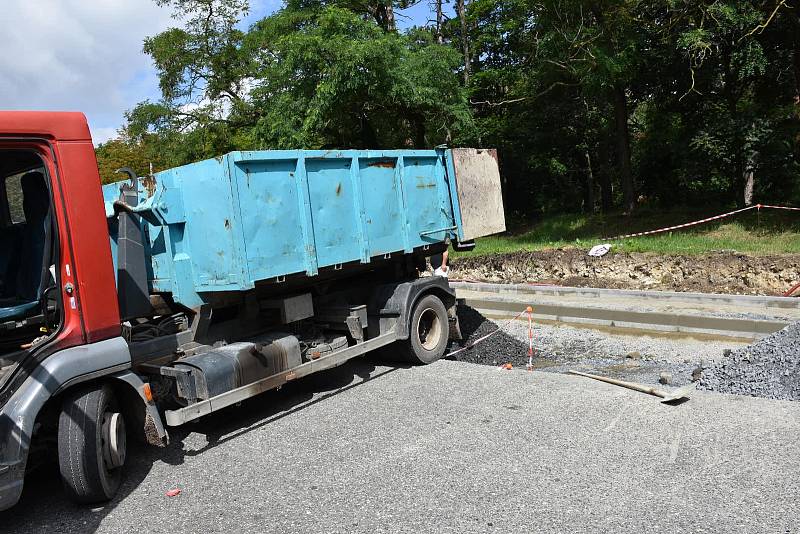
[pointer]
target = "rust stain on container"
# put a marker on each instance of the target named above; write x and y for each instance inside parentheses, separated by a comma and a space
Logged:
(149, 183)
(338, 189)
(227, 224)
(384, 164)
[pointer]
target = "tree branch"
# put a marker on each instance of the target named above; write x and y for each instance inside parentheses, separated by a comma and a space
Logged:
(761, 27)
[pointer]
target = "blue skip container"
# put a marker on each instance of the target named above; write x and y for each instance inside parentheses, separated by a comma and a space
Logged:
(226, 223)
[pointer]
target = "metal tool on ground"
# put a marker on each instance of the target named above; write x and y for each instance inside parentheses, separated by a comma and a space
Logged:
(666, 396)
(792, 291)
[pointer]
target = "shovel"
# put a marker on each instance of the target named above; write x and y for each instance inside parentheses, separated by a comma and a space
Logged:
(666, 396)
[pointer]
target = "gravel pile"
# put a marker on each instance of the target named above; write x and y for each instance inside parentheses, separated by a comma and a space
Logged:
(558, 349)
(500, 349)
(769, 368)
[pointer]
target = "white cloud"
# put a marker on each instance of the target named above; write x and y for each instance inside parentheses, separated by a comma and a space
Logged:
(81, 55)
(101, 134)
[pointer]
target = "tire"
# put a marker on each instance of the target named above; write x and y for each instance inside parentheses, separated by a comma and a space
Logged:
(428, 332)
(90, 471)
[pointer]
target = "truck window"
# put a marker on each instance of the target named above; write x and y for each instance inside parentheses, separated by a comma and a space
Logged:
(26, 250)
(14, 197)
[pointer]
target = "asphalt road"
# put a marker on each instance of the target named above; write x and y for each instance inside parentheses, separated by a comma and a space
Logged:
(454, 447)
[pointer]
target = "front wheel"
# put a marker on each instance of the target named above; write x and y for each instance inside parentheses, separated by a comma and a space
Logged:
(428, 331)
(91, 444)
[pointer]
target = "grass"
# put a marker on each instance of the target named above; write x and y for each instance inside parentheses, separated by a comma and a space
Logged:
(751, 232)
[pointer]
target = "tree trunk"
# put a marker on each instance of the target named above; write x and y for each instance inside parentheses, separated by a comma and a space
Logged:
(384, 16)
(796, 59)
(391, 23)
(624, 147)
(439, 22)
(461, 9)
(590, 200)
(749, 177)
(749, 182)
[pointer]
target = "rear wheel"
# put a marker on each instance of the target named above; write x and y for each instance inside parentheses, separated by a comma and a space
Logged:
(428, 331)
(92, 444)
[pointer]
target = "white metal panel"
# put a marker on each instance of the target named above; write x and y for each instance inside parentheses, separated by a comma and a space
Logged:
(479, 193)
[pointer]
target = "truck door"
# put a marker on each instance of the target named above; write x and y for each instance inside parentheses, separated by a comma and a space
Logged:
(29, 303)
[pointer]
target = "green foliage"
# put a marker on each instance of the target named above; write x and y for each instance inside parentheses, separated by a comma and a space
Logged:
(137, 155)
(313, 75)
(360, 86)
(767, 233)
(592, 104)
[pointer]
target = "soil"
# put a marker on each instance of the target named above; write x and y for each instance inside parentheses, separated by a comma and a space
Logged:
(716, 272)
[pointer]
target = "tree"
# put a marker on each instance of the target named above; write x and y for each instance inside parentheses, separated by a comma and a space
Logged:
(383, 89)
(461, 10)
(439, 21)
(610, 102)
(115, 154)
(314, 74)
(739, 99)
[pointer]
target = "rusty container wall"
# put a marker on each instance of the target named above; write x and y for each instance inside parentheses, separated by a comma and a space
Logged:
(226, 223)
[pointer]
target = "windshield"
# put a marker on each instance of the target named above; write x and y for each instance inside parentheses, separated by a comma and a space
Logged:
(25, 257)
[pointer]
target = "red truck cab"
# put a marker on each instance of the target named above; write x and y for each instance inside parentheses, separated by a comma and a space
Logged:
(57, 282)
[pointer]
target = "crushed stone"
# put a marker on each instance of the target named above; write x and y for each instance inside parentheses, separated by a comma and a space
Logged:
(769, 368)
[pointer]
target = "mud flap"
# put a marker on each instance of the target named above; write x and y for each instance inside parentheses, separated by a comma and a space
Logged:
(154, 431)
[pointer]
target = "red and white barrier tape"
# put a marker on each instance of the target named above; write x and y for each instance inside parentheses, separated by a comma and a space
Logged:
(701, 221)
(493, 332)
(777, 207)
(679, 226)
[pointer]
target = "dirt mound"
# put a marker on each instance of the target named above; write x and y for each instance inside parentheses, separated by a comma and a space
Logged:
(716, 272)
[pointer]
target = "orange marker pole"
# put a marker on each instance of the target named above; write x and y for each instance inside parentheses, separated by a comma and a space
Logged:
(530, 338)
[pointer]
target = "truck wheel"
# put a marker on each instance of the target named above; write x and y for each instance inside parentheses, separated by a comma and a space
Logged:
(428, 331)
(91, 444)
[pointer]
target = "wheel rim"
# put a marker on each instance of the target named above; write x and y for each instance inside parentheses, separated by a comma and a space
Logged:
(429, 329)
(114, 442)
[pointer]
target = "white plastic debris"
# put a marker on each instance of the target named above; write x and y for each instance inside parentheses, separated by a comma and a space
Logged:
(599, 251)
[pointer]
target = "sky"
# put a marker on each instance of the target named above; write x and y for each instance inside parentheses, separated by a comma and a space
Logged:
(86, 55)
